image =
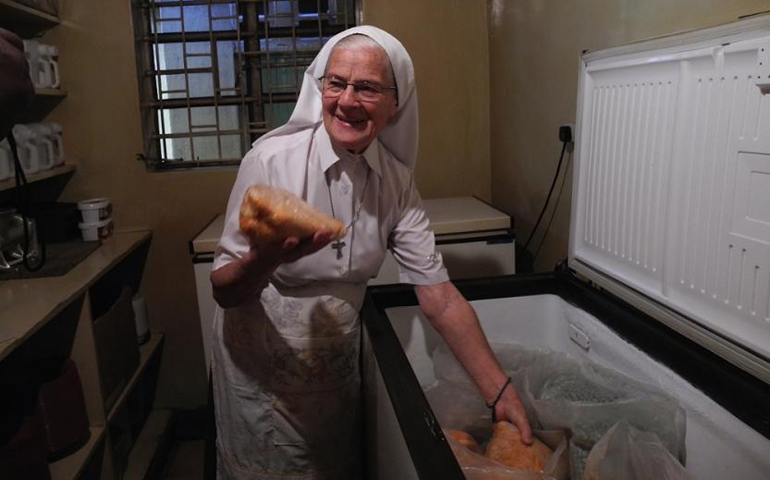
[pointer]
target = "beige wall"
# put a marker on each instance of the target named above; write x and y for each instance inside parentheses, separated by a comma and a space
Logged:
(103, 135)
(447, 40)
(534, 49)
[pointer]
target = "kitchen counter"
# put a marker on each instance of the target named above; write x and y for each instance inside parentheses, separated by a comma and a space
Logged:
(28, 304)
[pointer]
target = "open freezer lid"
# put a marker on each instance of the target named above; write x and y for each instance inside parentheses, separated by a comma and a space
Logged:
(671, 205)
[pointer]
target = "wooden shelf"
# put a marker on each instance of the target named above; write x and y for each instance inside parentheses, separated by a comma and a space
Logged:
(29, 304)
(9, 183)
(42, 103)
(71, 466)
(149, 446)
(50, 92)
(146, 352)
(23, 20)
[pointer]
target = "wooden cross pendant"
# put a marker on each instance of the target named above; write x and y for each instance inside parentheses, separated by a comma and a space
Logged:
(338, 245)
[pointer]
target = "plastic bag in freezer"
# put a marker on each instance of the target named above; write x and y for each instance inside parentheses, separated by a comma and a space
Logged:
(560, 393)
(631, 454)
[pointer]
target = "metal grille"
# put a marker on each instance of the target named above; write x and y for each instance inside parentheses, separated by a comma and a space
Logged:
(214, 75)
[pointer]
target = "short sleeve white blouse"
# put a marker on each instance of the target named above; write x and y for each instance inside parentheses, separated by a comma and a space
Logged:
(333, 181)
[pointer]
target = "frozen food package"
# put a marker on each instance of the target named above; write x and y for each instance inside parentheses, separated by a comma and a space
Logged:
(479, 467)
(507, 447)
(271, 214)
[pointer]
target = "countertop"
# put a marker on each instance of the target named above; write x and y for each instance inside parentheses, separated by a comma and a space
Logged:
(28, 304)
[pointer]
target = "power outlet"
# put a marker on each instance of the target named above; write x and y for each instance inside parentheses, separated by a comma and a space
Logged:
(567, 133)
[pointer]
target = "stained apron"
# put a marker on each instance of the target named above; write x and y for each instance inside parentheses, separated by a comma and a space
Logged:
(287, 387)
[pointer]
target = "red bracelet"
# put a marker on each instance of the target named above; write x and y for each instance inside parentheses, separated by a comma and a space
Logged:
(499, 396)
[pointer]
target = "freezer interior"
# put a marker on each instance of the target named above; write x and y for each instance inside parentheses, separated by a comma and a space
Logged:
(718, 443)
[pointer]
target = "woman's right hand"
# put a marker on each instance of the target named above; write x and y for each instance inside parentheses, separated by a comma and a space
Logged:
(292, 249)
(241, 279)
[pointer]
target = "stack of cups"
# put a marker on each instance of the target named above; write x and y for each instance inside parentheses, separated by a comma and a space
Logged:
(97, 219)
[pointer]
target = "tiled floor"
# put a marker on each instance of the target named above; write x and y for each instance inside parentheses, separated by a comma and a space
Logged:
(186, 462)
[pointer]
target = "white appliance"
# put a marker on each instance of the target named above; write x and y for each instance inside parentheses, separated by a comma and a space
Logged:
(474, 238)
(668, 278)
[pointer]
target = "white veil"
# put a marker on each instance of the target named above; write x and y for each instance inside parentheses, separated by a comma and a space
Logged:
(401, 134)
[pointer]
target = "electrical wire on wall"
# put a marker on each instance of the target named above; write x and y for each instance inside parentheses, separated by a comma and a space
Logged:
(566, 137)
(555, 206)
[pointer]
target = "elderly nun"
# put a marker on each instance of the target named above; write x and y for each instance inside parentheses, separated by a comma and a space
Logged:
(285, 370)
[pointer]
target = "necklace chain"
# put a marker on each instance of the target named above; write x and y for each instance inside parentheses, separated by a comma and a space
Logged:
(338, 245)
(360, 203)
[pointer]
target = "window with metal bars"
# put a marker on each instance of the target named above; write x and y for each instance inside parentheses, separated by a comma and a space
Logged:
(214, 75)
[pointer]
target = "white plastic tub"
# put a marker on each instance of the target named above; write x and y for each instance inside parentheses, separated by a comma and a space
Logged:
(95, 210)
(96, 230)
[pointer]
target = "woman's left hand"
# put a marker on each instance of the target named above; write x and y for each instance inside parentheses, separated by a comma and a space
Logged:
(511, 409)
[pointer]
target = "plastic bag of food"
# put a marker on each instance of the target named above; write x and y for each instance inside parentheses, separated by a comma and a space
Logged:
(631, 454)
(476, 466)
(458, 406)
(560, 392)
(586, 399)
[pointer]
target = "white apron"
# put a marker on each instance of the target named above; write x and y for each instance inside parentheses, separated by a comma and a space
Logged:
(287, 384)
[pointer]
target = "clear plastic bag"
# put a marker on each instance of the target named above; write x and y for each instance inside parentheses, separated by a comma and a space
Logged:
(628, 453)
(478, 467)
(586, 399)
(560, 392)
(459, 406)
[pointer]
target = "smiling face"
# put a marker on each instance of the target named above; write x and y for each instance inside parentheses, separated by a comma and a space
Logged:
(351, 123)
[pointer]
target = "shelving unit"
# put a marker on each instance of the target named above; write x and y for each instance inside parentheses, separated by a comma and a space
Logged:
(76, 316)
(32, 319)
(146, 351)
(28, 22)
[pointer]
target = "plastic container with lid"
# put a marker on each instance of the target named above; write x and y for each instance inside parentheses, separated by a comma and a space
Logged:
(96, 231)
(95, 210)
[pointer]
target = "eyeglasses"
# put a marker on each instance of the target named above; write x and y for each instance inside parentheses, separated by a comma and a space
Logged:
(365, 91)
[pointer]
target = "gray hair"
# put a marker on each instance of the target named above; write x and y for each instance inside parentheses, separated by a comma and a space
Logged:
(359, 41)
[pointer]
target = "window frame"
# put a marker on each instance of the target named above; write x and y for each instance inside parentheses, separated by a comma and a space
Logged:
(251, 29)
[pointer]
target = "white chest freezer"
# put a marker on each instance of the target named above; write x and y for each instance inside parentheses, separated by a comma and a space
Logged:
(668, 278)
(474, 238)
